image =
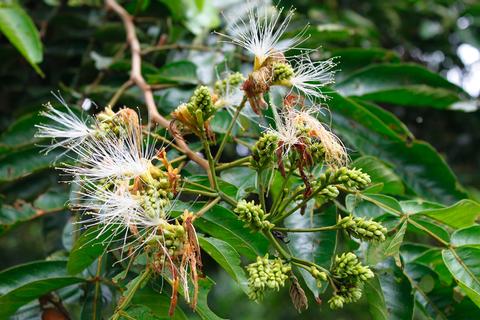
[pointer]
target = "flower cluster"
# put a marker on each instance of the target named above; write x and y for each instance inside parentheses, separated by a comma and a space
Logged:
(319, 276)
(362, 228)
(195, 114)
(263, 152)
(350, 275)
(266, 274)
(253, 215)
(126, 187)
(260, 34)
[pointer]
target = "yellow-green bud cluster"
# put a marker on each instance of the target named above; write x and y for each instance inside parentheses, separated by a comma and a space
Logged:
(316, 151)
(155, 196)
(108, 123)
(173, 238)
(362, 228)
(282, 73)
(350, 274)
(351, 179)
(201, 102)
(263, 152)
(318, 275)
(230, 82)
(347, 266)
(253, 215)
(345, 294)
(266, 274)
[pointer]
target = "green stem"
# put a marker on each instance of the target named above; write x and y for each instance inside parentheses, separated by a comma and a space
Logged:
(232, 164)
(319, 229)
(200, 192)
(199, 185)
(125, 300)
(430, 233)
(261, 192)
(309, 264)
(211, 162)
(277, 245)
(227, 199)
(207, 207)
(229, 129)
(277, 201)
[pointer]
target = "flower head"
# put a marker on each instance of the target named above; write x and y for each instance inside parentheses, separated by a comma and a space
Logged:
(67, 129)
(335, 152)
(260, 33)
(310, 76)
(112, 156)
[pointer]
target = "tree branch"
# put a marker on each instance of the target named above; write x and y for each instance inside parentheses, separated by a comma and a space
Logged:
(137, 78)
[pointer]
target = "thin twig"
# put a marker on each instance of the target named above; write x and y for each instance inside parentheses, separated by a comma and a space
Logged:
(137, 78)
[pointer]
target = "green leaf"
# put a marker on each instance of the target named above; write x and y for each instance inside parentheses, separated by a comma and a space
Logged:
(432, 258)
(318, 247)
(20, 133)
(388, 118)
(223, 224)
(464, 265)
(380, 172)
(20, 30)
(157, 302)
(394, 244)
(88, 247)
(241, 177)
(462, 214)
(19, 164)
(352, 59)
(197, 15)
(178, 72)
(416, 162)
(438, 230)
(469, 236)
(379, 251)
(92, 305)
(52, 200)
(401, 84)
(10, 216)
(227, 257)
(139, 312)
(411, 207)
(376, 300)
(387, 203)
(397, 294)
(416, 96)
(24, 283)
(203, 309)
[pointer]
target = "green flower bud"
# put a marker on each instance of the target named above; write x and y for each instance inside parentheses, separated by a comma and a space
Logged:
(253, 215)
(263, 152)
(266, 274)
(201, 101)
(336, 302)
(363, 229)
(348, 269)
(282, 73)
(317, 152)
(231, 81)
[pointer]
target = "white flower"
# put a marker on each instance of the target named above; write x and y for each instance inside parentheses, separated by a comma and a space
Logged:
(119, 214)
(335, 152)
(309, 76)
(260, 33)
(112, 156)
(286, 131)
(67, 129)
